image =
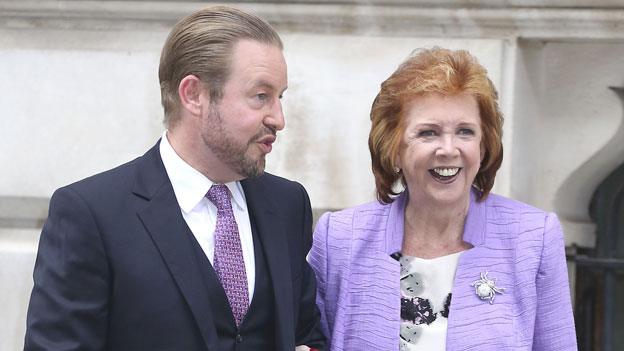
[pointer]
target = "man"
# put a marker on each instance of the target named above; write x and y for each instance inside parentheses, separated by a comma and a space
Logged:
(190, 246)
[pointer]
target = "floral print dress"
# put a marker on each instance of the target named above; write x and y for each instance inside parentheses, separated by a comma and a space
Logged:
(426, 286)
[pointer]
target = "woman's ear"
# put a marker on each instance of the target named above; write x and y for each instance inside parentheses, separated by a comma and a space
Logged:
(191, 93)
(397, 164)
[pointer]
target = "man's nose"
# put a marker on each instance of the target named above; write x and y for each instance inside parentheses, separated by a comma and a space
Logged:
(276, 117)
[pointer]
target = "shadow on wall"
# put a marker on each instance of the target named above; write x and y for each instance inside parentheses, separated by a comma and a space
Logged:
(573, 197)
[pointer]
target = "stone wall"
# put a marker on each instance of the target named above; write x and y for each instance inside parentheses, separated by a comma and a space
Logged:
(79, 91)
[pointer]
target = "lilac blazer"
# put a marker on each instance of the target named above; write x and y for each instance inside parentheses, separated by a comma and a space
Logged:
(359, 290)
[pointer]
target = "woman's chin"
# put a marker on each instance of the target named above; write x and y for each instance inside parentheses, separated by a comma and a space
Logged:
(448, 197)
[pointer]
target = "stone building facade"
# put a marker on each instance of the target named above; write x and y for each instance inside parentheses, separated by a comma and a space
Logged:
(79, 94)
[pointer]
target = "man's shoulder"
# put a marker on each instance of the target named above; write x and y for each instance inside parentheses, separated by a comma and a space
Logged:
(119, 179)
(115, 178)
(274, 181)
(275, 186)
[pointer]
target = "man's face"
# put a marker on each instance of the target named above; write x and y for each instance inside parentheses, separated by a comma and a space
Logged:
(241, 127)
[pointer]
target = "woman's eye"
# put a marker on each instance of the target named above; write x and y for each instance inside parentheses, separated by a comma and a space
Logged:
(426, 133)
(466, 131)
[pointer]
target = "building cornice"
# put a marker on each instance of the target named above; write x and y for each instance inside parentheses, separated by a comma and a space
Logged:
(378, 18)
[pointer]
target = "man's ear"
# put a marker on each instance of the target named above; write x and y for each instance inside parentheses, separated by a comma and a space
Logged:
(192, 95)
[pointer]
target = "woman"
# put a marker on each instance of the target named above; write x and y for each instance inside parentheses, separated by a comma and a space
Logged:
(443, 264)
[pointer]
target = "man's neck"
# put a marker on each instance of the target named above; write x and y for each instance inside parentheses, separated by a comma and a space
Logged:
(188, 145)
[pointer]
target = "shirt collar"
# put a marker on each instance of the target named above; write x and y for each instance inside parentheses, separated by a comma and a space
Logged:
(189, 185)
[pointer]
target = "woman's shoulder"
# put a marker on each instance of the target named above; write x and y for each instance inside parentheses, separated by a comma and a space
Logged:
(507, 205)
(357, 216)
(369, 209)
(504, 209)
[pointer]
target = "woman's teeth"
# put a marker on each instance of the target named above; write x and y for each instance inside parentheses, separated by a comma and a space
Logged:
(446, 172)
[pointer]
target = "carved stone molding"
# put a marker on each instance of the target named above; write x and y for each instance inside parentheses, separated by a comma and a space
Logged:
(23, 212)
(388, 18)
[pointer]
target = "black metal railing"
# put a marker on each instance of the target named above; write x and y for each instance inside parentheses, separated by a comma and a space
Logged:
(596, 305)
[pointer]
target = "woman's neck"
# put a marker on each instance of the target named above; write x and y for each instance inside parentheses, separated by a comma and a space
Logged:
(433, 231)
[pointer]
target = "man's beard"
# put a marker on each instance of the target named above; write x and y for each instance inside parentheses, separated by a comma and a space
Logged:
(230, 151)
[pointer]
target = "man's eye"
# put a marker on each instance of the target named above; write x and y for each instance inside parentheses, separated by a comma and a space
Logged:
(262, 96)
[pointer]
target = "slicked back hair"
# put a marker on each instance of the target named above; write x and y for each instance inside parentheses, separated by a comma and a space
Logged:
(201, 44)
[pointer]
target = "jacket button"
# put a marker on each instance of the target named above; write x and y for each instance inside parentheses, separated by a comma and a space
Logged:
(239, 338)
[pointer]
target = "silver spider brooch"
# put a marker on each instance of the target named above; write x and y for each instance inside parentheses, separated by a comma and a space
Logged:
(486, 288)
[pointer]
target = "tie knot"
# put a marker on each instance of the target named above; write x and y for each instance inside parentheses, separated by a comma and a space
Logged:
(219, 195)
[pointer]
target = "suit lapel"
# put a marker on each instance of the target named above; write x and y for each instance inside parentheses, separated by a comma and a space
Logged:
(274, 241)
(167, 228)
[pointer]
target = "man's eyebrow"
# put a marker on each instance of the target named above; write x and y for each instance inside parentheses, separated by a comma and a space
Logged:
(266, 85)
(263, 84)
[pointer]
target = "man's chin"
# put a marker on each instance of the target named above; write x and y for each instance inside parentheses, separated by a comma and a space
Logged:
(254, 171)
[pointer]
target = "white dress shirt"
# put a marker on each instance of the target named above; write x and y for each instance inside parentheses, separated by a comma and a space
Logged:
(190, 188)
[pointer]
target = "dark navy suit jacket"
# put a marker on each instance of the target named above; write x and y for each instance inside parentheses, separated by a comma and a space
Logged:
(116, 268)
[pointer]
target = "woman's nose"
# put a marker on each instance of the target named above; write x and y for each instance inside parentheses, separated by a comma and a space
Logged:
(447, 146)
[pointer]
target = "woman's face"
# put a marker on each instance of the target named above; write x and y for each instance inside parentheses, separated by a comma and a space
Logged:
(441, 148)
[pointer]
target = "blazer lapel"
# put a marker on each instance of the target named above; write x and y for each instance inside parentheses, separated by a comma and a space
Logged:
(274, 241)
(467, 310)
(165, 224)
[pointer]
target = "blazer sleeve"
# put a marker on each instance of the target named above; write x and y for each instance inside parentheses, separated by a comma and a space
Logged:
(68, 305)
(318, 261)
(554, 322)
(308, 329)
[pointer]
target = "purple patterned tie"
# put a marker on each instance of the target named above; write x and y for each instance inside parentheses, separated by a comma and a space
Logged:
(228, 253)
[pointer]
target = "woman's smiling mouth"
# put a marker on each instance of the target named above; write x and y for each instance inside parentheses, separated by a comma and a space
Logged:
(445, 174)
